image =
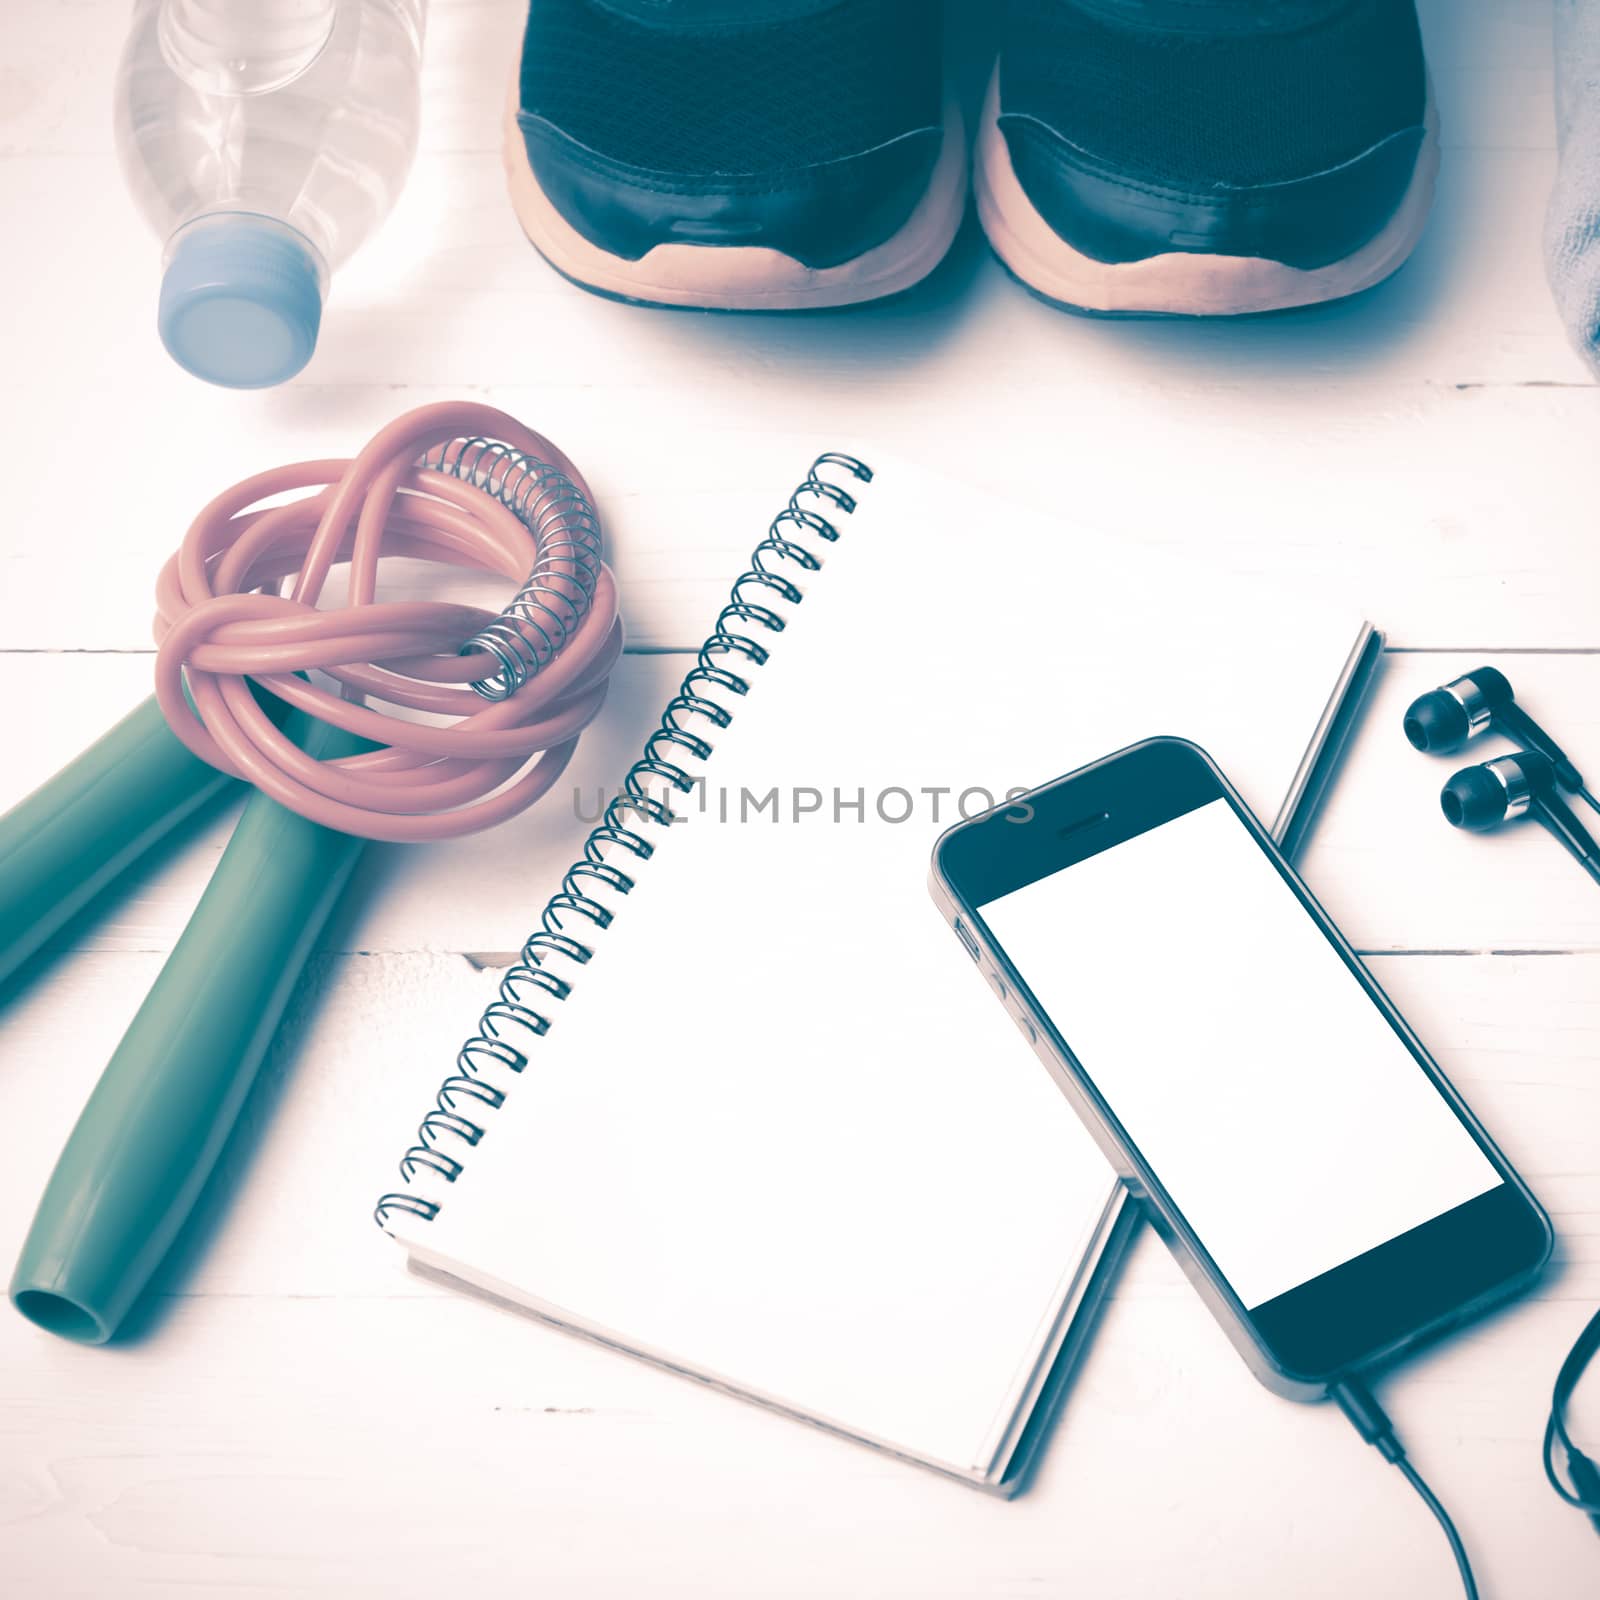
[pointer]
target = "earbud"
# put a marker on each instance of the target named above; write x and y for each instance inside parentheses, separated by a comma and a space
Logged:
(1524, 784)
(1444, 719)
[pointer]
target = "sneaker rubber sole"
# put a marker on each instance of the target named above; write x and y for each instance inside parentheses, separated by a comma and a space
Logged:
(745, 277)
(1179, 283)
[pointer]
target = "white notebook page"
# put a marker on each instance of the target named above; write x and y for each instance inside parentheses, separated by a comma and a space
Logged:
(782, 1135)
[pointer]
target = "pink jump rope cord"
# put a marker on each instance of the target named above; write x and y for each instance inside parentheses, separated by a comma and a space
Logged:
(221, 620)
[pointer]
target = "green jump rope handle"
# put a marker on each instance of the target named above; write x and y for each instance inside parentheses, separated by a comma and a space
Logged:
(63, 844)
(162, 1110)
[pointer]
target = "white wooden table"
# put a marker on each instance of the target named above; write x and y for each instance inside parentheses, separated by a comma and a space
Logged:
(292, 1413)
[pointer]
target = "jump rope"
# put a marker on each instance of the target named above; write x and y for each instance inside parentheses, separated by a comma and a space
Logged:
(463, 485)
(430, 720)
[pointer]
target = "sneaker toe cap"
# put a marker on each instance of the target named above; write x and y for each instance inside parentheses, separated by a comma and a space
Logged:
(820, 215)
(1115, 216)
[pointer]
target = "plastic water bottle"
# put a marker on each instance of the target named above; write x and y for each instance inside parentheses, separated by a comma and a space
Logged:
(264, 140)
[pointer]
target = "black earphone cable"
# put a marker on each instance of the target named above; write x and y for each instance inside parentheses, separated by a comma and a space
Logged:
(1572, 834)
(1444, 720)
(1370, 1420)
(1583, 1474)
(1457, 1549)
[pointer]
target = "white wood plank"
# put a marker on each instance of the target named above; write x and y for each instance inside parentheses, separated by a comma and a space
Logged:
(1450, 517)
(368, 1039)
(1489, 61)
(1392, 873)
(292, 1447)
(291, 1398)
(451, 294)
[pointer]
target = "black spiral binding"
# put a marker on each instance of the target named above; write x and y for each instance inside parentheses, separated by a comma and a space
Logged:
(487, 1064)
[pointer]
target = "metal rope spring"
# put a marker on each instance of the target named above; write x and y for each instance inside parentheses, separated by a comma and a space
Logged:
(556, 594)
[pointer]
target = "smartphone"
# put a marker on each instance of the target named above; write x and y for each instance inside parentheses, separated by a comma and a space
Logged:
(1315, 1173)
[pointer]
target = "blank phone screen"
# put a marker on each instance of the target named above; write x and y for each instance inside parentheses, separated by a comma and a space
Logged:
(1270, 1097)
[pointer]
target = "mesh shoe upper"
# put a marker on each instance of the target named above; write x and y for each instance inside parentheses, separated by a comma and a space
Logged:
(813, 132)
(1290, 126)
(749, 98)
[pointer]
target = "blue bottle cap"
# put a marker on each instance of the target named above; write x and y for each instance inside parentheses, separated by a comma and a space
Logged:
(241, 301)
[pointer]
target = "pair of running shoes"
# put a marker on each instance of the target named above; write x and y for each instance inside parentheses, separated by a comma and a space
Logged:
(1137, 157)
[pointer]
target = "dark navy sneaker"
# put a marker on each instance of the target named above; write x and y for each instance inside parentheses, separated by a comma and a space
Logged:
(1206, 157)
(736, 154)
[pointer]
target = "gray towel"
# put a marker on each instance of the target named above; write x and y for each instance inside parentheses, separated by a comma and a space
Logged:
(1572, 224)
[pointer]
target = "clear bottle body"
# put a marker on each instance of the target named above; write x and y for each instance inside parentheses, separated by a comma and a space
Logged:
(296, 117)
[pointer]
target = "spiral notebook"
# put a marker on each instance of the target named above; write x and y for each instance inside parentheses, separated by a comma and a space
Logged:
(746, 1110)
